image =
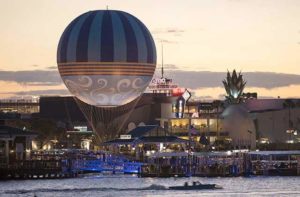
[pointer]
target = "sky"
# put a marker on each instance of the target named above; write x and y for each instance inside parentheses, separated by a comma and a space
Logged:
(202, 40)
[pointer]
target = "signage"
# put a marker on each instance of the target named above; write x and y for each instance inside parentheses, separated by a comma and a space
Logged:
(178, 91)
(80, 129)
(125, 137)
(186, 95)
(158, 80)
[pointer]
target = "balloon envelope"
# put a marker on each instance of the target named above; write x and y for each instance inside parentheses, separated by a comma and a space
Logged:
(106, 57)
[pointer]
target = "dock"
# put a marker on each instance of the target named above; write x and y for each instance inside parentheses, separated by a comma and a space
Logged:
(68, 164)
(223, 164)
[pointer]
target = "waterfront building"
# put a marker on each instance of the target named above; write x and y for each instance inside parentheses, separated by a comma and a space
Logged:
(143, 141)
(270, 118)
(15, 144)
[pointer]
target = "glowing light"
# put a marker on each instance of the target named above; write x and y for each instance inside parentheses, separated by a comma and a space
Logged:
(34, 145)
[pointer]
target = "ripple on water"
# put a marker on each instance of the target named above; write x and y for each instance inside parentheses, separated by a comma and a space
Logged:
(99, 185)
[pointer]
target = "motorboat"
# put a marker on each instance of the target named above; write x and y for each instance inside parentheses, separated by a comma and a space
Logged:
(196, 185)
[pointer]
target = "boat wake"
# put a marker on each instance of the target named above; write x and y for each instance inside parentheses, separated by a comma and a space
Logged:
(47, 190)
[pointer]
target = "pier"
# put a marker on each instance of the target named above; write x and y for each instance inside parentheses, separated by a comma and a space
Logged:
(73, 163)
(68, 164)
(223, 164)
(37, 169)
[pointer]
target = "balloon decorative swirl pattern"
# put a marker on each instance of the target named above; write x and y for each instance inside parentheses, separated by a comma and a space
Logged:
(106, 91)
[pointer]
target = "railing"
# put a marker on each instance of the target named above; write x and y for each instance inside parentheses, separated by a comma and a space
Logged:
(98, 165)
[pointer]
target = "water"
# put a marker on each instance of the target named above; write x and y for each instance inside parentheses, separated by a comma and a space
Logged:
(127, 185)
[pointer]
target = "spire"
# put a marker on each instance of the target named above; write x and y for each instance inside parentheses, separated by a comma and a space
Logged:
(162, 60)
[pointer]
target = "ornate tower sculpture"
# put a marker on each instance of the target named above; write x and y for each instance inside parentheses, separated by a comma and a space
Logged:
(234, 85)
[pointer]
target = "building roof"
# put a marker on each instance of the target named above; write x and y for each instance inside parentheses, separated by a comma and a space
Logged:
(256, 105)
(147, 140)
(142, 130)
(7, 131)
(160, 139)
(119, 141)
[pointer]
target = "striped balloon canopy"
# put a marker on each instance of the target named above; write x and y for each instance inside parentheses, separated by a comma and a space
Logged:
(106, 57)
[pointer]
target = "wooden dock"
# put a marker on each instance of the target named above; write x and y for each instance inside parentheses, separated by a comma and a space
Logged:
(37, 169)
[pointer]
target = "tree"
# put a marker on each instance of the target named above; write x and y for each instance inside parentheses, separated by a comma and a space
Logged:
(47, 130)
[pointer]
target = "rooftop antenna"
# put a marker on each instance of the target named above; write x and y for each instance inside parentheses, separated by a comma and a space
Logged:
(162, 60)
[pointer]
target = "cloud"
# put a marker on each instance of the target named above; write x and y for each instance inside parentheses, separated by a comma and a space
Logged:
(168, 31)
(39, 92)
(205, 97)
(32, 77)
(52, 67)
(175, 31)
(166, 67)
(189, 79)
(207, 79)
(40, 84)
(166, 41)
(160, 35)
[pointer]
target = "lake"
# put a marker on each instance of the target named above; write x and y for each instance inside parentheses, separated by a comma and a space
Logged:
(130, 185)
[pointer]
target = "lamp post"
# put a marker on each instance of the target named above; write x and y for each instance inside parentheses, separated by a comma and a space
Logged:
(187, 95)
(68, 141)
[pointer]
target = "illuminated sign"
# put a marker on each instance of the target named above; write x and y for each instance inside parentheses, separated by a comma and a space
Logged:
(178, 91)
(162, 83)
(158, 80)
(125, 137)
(80, 129)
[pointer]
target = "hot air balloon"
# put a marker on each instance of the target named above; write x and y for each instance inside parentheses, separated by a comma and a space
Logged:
(106, 58)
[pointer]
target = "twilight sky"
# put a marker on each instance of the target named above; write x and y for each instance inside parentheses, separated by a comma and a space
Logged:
(202, 39)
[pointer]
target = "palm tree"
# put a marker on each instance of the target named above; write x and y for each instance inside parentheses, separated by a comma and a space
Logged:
(234, 85)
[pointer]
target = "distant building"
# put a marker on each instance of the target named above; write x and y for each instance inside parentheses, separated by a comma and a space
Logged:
(20, 106)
